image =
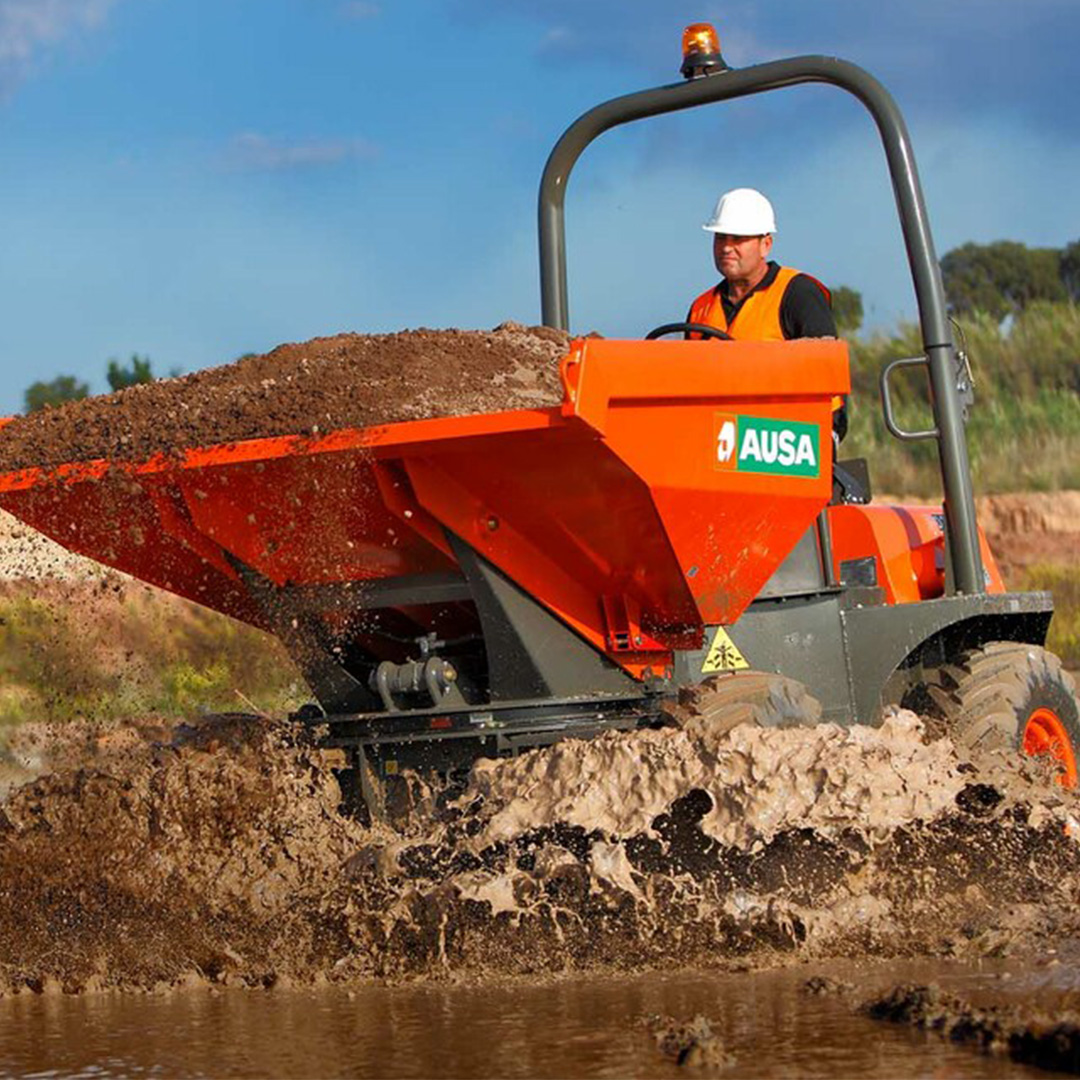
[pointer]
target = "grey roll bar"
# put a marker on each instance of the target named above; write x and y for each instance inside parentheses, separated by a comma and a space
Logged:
(930, 293)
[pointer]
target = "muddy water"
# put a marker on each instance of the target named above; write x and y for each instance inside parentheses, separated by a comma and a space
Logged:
(765, 1024)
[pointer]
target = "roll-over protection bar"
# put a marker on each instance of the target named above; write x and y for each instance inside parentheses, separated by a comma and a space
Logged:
(926, 274)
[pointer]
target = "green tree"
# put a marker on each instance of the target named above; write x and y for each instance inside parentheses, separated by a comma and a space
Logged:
(847, 309)
(1070, 270)
(1001, 278)
(47, 395)
(136, 372)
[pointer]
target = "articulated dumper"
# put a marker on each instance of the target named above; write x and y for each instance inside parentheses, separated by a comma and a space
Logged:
(676, 536)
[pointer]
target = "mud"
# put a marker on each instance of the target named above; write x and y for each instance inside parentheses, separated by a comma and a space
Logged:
(1048, 1041)
(218, 853)
(693, 1044)
(351, 380)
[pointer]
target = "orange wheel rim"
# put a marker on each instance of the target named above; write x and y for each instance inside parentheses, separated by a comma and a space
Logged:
(1044, 733)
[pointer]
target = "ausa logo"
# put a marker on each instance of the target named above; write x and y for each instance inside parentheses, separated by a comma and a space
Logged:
(755, 444)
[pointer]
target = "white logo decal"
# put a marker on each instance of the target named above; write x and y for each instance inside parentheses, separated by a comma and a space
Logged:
(725, 441)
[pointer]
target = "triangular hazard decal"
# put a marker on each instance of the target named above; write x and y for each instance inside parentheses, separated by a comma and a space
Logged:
(723, 654)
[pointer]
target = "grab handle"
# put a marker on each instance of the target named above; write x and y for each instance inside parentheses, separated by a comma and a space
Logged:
(886, 401)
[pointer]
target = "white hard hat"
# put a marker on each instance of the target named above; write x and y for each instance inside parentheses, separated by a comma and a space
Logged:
(742, 212)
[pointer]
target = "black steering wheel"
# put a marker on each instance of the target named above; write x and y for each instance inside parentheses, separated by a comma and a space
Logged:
(688, 328)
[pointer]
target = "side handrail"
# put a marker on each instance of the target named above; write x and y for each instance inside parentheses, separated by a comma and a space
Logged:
(886, 402)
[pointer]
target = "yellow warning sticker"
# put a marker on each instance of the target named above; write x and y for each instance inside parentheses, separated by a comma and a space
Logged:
(723, 654)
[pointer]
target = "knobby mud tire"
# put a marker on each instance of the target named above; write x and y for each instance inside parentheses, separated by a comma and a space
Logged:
(713, 708)
(1007, 696)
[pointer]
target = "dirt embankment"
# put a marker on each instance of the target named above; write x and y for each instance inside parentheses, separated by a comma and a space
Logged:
(1032, 527)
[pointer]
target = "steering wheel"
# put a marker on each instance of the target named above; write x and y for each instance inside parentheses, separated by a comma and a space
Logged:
(688, 328)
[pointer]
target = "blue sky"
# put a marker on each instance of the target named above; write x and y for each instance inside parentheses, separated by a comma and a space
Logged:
(196, 179)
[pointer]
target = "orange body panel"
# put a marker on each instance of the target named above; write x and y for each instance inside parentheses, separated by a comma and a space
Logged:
(616, 510)
(908, 545)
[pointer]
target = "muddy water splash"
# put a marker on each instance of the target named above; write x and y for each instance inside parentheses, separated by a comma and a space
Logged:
(223, 856)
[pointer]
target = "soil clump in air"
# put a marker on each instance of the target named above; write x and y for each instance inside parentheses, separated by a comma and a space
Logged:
(350, 380)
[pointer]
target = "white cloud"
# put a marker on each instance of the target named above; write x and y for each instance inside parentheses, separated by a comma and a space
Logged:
(29, 26)
(361, 9)
(258, 153)
(561, 41)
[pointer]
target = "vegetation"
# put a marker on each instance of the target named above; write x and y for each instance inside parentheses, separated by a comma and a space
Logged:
(137, 371)
(1003, 278)
(1024, 427)
(1064, 582)
(847, 307)
(151, 654)
(46, 395)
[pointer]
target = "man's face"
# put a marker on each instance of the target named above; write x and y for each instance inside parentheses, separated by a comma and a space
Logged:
(740, 258)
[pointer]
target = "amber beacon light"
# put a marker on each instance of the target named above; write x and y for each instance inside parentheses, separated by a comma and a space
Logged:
(701, 51)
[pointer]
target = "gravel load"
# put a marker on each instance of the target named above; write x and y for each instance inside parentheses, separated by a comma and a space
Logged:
(350, 380)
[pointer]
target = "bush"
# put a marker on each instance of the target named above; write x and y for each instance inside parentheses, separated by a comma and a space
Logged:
(1024, 429)
(47, 395)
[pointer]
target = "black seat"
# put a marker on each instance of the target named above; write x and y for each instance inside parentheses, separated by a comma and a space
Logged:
(851, 483)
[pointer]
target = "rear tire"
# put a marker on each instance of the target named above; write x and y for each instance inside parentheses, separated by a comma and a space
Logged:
(1008, 696)
(711, 709)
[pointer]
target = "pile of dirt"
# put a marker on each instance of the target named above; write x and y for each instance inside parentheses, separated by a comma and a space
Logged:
(222, 855)
(351, 380)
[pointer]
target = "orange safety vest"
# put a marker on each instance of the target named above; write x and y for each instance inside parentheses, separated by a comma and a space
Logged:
(759, 317)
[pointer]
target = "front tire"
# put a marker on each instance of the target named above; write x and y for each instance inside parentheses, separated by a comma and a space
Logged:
(1008, 696)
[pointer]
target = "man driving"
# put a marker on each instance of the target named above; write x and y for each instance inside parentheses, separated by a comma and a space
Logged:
(757, 299)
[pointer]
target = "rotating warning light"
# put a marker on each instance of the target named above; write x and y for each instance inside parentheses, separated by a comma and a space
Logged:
(701, 51)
